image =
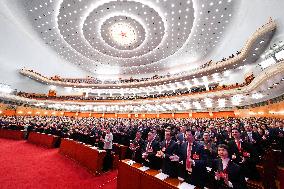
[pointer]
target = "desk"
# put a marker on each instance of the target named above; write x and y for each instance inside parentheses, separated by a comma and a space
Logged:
(43, 139)
(130, 176)
(281, 176)
(85, 155)
(12, 134)
(120, 150)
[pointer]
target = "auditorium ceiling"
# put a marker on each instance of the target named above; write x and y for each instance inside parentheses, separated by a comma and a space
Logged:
(131, 37)
(101, 38)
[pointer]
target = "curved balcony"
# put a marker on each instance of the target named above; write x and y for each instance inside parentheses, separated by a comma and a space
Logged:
(272, 73)
(81, 98)
(251, 51)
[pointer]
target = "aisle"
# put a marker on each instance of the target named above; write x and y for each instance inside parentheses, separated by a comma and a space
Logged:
(24, 165)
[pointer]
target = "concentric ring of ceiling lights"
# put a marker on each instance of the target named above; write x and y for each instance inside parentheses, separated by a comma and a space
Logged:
(134, 20)
(154, 28)
(186, 30)
(123, 33)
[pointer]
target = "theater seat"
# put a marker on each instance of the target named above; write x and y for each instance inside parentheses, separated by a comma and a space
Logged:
(252, 184)
(260, 170)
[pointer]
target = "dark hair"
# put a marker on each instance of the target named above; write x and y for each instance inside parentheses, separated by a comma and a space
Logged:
(205, 132)
(236, 129)
(190, 131)
(223, 146)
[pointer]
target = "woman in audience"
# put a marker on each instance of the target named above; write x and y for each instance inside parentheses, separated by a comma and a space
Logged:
(227, 174)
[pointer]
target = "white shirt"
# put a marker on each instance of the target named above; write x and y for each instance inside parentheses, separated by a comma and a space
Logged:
(108, 141)
(225, 163)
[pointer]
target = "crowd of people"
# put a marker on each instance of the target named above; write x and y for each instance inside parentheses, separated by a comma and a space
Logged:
(210, 62)
(94, 80)
(200, 151)
(90, 97)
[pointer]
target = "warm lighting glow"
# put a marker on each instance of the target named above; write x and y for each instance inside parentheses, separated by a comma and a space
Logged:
(277, 112)
(52, 87)
(5, 88)
(123, 34)
(236, 99)
(197, 105)
(267, 63)
(208, 102)
(221, 102)
(257, 95)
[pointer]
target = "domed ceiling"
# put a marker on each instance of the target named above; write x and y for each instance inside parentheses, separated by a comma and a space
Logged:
(131, 37)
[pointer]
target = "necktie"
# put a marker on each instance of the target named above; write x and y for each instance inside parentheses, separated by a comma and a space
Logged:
(188, 163)
(167, 144)
(239, 146)
(148, 146)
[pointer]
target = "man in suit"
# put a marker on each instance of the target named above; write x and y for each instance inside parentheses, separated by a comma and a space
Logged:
(180, 140)
(249, 135)
(210, 148)
(227, 174)
(181, 135)
(243, 154)
(252, 137)
(193, 159)
(156, 135)
(227, 134)
(149, 153)
(136, 147)
(169, 148)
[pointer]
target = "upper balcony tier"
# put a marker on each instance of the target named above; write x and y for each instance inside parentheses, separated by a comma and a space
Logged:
(250, 52)
(267, 85)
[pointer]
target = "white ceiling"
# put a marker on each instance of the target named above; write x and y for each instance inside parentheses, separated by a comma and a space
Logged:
(170, 35)
(79, 31)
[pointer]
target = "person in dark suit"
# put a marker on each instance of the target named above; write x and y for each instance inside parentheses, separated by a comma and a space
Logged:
(181, 135)
(149, 153)
(243, 154)
(227, 134)
(136, 147)
(168, 148)
(253, 137)
(210, 148)
(156, 135)
(227, 174)
(193, 159)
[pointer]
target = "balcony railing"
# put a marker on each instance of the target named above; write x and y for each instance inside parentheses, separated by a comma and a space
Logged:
(239, 58)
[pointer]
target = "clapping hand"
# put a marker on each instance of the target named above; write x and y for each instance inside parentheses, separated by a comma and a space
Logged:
(174, 158)
(160, 154)
(144, 155)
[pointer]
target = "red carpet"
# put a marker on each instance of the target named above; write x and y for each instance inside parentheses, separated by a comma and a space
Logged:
(24, 165)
